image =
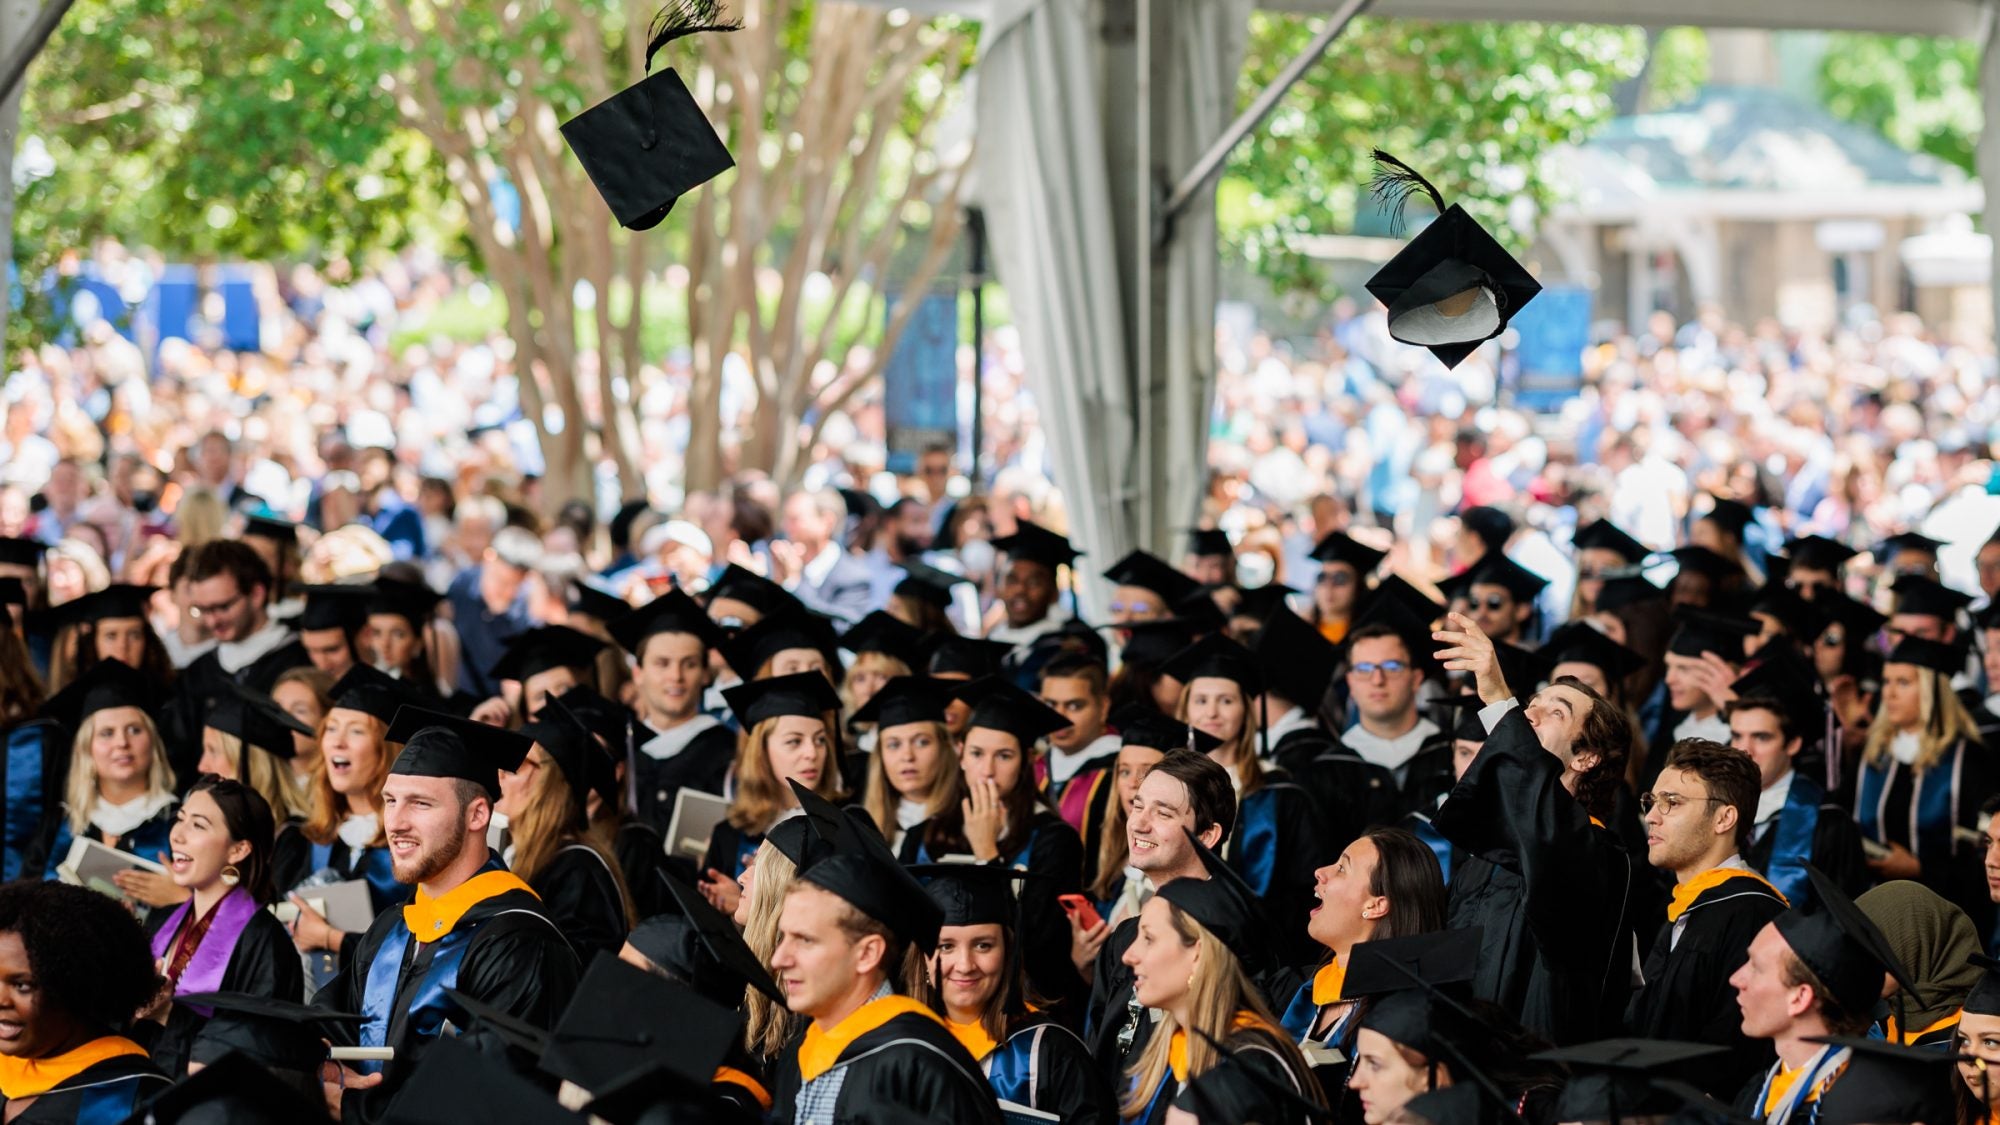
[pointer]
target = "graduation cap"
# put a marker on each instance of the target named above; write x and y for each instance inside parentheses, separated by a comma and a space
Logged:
(1523, 669)
(649, 144)
(753, 590)
(455, 1083)
(257, 719)
(1920, 595)
(573, 747)
(595, 601)
(115, 602)
(881, 890)
(1886, 1081)
(905, 699)
(1817, 552)
(749, 650)
(372, 691)
(1035, 543)
(999, 705)
(888, 635)
(953, 655)
(1148, 571)
(1783, 678)
(1199, 611)
(279, 1034)
(1230, 1091)
(1729, 515)
(623, 1018)
(1701, 631)
(1841, 946)
(1453, 287)
(1804, 621)
(1217, 657)
(1339, 547)
(1225, 905)
(808, 694)
(1626, 590)
(1464, 1104)
(1408, 977)
(21, 552)
(927, 583)
(543, 648)
(1498, 570)
(1415, 603)
(608, 719)
(1140, 724)
(972, 894)
(1858, 617)
(1150, 644)
(1614, 1079)
(1984, 998)
(412, 601)
(1944, 659)
(108, 684)
(1579, 643)
(528, 1038)
(276, 530)
(231, 1087)
(1260, 602)
(796, 840)
(1295, 660)
(12, 591)
(1208, 542)
(1701, 560)
(1415, 631)
(1886, 551)
(342, 607)
(1459, 714)
(439, 745)
(671, 612)
(726, 963)
(1603, 535)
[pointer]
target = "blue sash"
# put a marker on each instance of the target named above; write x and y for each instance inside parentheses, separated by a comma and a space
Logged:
(24, 795)
(1300, 1014)
(429, 1007)
(109, 1104)
(1254, 850)
(1792, 844)
(1010, 1069)
(1933, 805)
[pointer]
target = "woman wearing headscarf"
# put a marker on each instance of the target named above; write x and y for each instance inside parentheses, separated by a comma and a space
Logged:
(1935, 941)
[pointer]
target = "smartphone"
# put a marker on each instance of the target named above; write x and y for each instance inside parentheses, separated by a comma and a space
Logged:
(1079, 908)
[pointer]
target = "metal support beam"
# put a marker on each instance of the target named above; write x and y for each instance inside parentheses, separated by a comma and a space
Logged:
(1267, 99)
(46, 20)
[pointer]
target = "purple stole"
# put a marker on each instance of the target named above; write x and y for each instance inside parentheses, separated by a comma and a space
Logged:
(211, 958)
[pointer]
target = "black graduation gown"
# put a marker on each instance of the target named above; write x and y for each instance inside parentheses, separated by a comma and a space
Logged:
(201, 684)
(702, 765)
(581, 897)
(1043, 1065)
(1349, 793)
(1429, 775)
(1116, 1027)
(108, 1091)
(642, 857)
(911, 1064)
(1836, 848)
(1550, 889)
(1238, 1098)
(34, 769)
(264, 963)
(1899, 812)
(513, 958)
(1276, 846)
(1687, 995)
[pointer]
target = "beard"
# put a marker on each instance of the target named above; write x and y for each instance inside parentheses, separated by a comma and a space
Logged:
(429, 862)
(910, 546)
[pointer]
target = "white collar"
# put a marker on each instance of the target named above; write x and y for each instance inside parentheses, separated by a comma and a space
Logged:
(1772, 800)
(1063, 765)
(359, 831)
(1389, 753)
(1294, 719)
(822, 564)
(117, 820)
(1905, 746)
(910, 813)
(668, 743)
(1713, 728)
(238, 655)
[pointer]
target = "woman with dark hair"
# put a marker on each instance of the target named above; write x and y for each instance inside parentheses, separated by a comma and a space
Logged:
(222, 939)
(1387, 884)
(73, 969)
(399, 618)
(111, 624)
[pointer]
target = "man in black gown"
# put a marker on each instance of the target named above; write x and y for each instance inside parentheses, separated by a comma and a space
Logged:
(671, 638)
(230, 587)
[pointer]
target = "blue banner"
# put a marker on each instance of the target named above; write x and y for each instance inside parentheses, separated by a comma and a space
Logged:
(920, 381)
(1554, 331)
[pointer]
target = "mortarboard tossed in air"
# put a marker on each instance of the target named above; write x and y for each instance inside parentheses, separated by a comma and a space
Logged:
(748, 651)
(970, 657)
(1338, 547)
(903, 700)
(725, 963)
(1578, 643)
(1604, 535)
(1453, 287)
(1817, 552)
(455, 1083)
(649, 144)
(544, 648)
(999, 705)
(1209, 542)
(439, 745)
(21, 552)
(671, 612)
(1945, 659)
(1295, 660)
(1919, 595)
(232, 1088)
(1721, 634)
(888, 635)
(108, 684)
(806, 694)
(1148, 571)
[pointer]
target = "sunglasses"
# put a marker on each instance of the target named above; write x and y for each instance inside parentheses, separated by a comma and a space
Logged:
(1492, 602)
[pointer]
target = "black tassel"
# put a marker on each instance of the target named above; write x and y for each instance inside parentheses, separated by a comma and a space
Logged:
(685, 17)
(1394, 183)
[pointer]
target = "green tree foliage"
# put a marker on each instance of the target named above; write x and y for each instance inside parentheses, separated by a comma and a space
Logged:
(1472, 105)
(1921, 93)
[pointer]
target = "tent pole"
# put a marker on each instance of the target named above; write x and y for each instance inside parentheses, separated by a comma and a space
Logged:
(975, 228)
(1266, 101)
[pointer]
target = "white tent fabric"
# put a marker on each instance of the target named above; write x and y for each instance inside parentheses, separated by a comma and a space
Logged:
(1120, 437)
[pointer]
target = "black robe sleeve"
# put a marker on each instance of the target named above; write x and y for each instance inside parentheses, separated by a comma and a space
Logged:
(1688, 997)
(581, 898)
(1068, 1084)
(915, 1079)
(642, 857)
(1111, 1008)
(1057, 860)
(264, 963)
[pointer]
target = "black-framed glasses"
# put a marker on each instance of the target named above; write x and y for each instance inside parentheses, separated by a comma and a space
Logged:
(212, 610)
(1671, 801)
(1368, 668)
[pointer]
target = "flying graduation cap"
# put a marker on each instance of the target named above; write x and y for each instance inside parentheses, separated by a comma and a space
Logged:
(649, 144)
(1454, 286)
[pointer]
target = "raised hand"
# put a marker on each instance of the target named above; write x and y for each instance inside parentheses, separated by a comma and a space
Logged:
(1469, 650)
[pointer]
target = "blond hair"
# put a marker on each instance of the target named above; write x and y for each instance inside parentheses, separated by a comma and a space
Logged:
(271, 778)
(80, 795)
(554, 820)
(941, 788)
(1247, 764)
(761, 795)
(771, 1025)
(199, 517)
(868, 662)
(330, 806)
(1942, 721)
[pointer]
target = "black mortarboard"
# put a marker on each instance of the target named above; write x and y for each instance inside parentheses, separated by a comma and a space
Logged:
(998, 705)
(1035, 543)
(1498, 570)
(726, 954)
(594, 601)
(927, 583)
(1721, 634)
(796, 840)
(1613, 1079)
(1489, 525)
(21, 552)
(888, 635)
(108, 684)
(1942, 658)
(280, 1034)
(1841, 946)
(1860, 618)
(1920, 595)
(1260, 602)
(747, 651)
(1295, 660)
(1148, 571)
(1216, 656)
(1230, 1091)
(671, 612)
(1701, 560)
(333, 607)
(1607, 536)
(848, 831)
(1817, 552)
(1140, 724)
(1408, 977)
(1204, 542)
(953, 655)
(808, 694)
(1730, 515)
(1463, 1104)
(256, 719)
(231, 1088)
(1984, 998)
(649, 144)
(972, 894)
(1453, 287)
(528, 1038)
(905, 699)
(753, 590)
(545, 647)
(1782, 677)
(1578, 643)
(372, 691)
(12, 591)
(882, 891)
(1225, 905)
(455, 1083)
(1150, 644)
(608, 719)
(1904, 541)
(1415, 603)
(412, 601)
(1459, 716)
(1886, 1081)
(115, 602)
(1339, 547)
(1200, 613)
(276, 530)
(1804, 621)
(1624, 590)
(573, 746)
(623, 1017)
(1523, 669)
(439, 745)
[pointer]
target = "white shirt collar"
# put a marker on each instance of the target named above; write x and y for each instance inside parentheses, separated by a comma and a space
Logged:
(117, 820)
(1063, 766)
(1772, 800)
(1389, 753)
(822, 564)
(668, 743)
(238, 655)
(1294, 719)
(1712, 728)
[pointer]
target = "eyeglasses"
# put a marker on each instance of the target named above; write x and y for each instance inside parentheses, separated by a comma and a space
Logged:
(1832, 638)
(1147, 608)
(1335, 578)
(220, 608)
(1672, 801)
(1386, 667)
(1494, 602)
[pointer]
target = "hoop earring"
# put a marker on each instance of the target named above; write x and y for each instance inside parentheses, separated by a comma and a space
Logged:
(231, 876)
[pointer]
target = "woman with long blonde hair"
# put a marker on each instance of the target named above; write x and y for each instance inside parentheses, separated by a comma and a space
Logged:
(1924, 774)
(772, 1027)
(248, 738)
(120, 791)
(553, 847)
(790, 733)
(1198, 943)
(884, 648)
(913, 774)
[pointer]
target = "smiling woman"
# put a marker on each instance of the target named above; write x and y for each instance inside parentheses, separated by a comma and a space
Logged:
(120, 790)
